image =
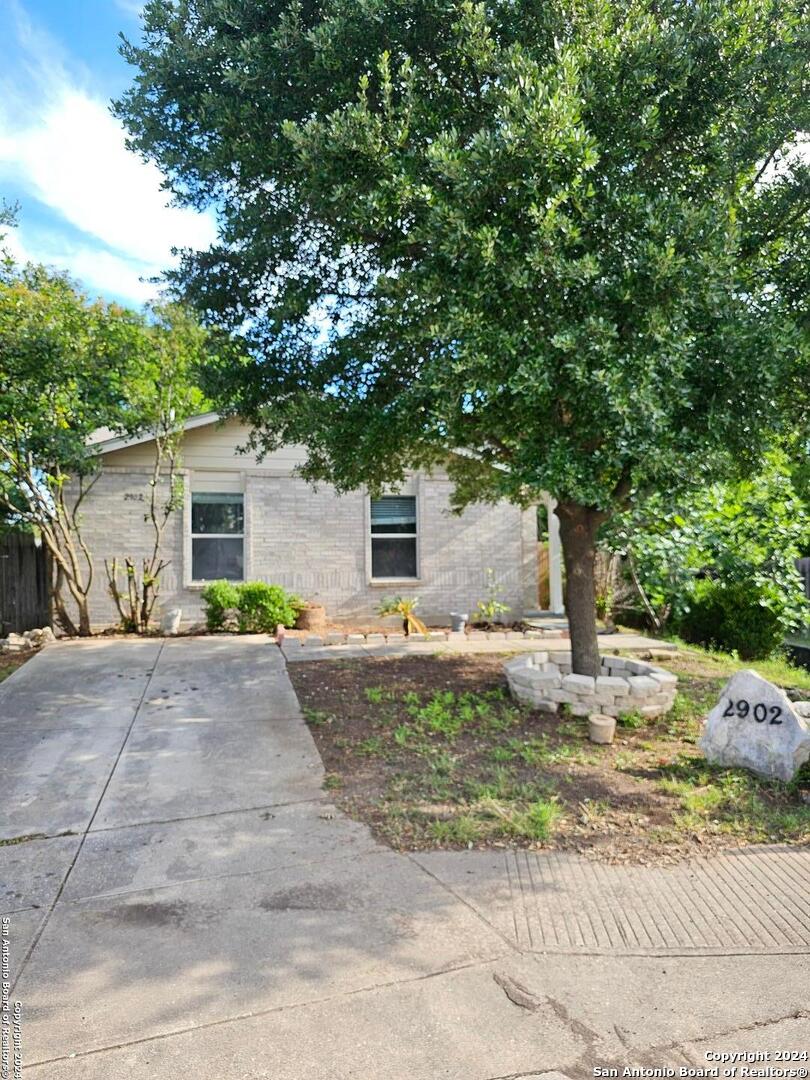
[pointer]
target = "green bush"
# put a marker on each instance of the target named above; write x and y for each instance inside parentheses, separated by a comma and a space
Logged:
(733, 617)
(263, 607)
(217, 598)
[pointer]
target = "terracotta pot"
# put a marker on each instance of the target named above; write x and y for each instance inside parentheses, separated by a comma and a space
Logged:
(601, 729)
(312, 617)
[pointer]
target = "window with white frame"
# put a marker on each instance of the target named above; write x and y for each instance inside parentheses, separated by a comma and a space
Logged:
(217, 536)
(393, 537)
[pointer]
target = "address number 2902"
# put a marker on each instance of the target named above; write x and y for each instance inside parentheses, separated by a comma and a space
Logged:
(760, 712)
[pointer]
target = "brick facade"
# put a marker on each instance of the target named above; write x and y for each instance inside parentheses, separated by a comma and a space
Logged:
(317, 543)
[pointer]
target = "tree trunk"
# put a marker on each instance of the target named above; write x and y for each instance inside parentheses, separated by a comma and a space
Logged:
(578, 528)
(84, 617)
(63, 620)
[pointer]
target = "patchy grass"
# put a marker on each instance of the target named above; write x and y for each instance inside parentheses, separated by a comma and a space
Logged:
(9, 662)
(702, 662)
(430, 751)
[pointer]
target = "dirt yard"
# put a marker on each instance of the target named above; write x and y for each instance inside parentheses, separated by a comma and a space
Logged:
(431, 752)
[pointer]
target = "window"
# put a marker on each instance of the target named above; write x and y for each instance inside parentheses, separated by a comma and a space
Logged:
(393, 537)
(217, 536)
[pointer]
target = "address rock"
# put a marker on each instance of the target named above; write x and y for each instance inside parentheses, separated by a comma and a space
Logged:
(756, 726)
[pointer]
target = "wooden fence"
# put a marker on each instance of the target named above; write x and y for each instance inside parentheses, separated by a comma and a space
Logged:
(24, 584)
(543, 594)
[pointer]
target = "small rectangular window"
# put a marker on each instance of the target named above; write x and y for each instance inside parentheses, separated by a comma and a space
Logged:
(217, 536)
(393, 537)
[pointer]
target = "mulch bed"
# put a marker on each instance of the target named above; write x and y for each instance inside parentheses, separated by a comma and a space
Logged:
(613, 805)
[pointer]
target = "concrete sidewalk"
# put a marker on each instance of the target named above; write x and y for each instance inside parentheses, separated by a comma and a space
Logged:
(441, 643)
(196, 907)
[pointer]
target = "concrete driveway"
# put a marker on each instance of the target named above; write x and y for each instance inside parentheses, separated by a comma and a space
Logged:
(186, 902)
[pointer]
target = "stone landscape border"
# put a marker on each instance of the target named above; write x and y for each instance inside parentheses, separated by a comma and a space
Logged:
(544, 681)
(385, 637)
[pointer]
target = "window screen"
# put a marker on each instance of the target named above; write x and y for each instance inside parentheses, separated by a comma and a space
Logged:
(393, 537)
(217, 536)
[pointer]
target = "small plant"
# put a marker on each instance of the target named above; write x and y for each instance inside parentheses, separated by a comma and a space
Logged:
(317, 717)
(406, 607)
(375, 695)
(489, 609)
(633, 720)
(502, 753)
(370, 747)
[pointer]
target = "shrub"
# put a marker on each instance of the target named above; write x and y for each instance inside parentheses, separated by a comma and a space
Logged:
(218, 597)
(746, 535)
(733, 617)
(263, 608)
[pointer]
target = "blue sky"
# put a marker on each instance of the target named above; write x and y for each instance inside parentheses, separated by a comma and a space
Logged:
(87, 205)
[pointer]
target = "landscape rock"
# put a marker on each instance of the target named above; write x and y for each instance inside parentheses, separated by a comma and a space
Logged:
(170, 622)
(30, 639)
(756, 726)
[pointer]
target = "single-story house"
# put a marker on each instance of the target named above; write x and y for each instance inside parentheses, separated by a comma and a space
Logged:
(245, 519)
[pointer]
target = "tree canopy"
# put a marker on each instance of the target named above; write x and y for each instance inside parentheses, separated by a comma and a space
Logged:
(70, 366)
(557, 244)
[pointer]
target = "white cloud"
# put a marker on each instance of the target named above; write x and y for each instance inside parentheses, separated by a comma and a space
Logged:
(74, 159)
(98, 271)
(59, 142)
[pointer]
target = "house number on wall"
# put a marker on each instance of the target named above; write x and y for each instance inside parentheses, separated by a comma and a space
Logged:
(760, 712)
(133, 496)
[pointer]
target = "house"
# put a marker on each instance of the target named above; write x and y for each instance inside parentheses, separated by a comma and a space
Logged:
(249, 519)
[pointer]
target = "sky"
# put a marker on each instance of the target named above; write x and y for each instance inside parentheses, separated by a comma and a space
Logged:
(86, 204)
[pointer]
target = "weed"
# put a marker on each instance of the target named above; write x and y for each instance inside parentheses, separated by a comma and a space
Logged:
(25, 838)
(375, 695)
(317, 717)
(439, 715)
(371, 746)
(624, 759)
(442, 763)
(502, 753)
(534, 822)
(633, 720)
(456, 830)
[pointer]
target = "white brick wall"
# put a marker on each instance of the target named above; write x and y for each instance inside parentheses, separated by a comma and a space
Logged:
(317, 544)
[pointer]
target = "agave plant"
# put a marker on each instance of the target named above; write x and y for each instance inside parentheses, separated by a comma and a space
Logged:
(406, 607)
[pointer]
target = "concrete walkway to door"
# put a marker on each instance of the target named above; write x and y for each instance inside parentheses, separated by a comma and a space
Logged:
(184, 901)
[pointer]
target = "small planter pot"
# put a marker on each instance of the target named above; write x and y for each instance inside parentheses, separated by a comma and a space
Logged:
(601, 728)
(458, 622)
(312, 617)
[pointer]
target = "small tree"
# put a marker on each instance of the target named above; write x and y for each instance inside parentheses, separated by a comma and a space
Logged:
(162, 393)
(559, 245)
(63, 364)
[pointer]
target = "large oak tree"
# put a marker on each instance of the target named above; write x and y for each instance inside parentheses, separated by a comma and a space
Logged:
(556, 242)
